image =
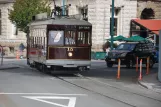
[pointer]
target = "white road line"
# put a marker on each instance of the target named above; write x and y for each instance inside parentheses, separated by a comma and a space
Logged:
(42, 94)
(72, 100)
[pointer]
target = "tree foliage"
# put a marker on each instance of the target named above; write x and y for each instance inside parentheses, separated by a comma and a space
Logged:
(23, 10)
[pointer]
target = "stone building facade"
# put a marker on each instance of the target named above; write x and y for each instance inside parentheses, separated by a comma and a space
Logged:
(10, 37)
(98, 12)
(152, 8)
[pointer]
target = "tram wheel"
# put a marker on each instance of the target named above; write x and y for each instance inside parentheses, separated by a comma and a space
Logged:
(46, 69)
(41, 68)
(37, 66)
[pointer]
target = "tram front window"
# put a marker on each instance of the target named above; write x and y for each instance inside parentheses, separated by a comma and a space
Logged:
(70, 38)
(56, 37)
(84, 38)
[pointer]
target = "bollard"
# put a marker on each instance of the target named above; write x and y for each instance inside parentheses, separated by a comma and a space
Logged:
(137, 64)
(17, 55)
(147, 69)
(140, 75)
(118, 72)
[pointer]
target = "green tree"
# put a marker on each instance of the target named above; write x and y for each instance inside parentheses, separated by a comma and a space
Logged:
(23, 10)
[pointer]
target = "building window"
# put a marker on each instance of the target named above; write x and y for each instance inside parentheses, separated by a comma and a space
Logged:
(15, 30)
(115, 26)
(148, 13)
(84, 12)
(116, 20)
(0, 23)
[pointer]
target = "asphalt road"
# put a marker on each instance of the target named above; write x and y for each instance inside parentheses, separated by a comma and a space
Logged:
(26, 87)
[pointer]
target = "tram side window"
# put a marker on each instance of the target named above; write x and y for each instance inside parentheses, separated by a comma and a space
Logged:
(41, 42)
(84, 38)
(35, 42)
(31, 42)
(70, 37)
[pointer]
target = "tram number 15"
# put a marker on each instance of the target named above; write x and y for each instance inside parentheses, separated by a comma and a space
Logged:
(69, 49)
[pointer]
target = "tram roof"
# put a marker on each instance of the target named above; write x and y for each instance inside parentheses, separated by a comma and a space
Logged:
(61, 21)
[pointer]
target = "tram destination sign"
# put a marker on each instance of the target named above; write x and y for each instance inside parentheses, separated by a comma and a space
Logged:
(84, 27)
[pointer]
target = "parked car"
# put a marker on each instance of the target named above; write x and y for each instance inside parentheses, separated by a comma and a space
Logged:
(128, 52)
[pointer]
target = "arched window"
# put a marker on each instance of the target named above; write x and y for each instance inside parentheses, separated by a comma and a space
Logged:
(147, 13)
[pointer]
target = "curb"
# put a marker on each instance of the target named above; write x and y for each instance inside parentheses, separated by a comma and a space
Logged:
(9, 68)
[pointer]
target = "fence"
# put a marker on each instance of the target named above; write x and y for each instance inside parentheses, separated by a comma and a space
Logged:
(98, 55)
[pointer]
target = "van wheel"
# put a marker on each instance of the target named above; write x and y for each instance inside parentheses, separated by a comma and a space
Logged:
(130, 64)
(109, 64)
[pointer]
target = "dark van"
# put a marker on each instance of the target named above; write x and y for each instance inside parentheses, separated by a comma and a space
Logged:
(128, 52)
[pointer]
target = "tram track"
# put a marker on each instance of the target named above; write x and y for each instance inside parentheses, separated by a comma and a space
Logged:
(94, 91)
(97, 92)
(108, 85)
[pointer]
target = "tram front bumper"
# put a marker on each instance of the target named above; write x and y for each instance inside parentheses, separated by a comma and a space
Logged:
(69, 63)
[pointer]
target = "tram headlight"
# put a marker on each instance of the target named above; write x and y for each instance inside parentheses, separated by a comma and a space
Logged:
(70, 54)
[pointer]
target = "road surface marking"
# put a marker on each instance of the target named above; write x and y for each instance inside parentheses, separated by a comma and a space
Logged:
(72, 100)
(42, 94)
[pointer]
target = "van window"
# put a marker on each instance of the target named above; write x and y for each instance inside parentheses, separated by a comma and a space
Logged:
(126, 47)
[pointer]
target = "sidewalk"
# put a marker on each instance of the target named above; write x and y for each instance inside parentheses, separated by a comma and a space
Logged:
(151, 82)
(8, 66)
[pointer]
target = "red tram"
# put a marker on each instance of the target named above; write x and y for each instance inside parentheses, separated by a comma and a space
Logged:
(61, 42)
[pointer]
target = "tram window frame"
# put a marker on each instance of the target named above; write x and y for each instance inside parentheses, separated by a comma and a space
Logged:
(71, 36)
(44, 44)
(32, 42)
(41, 43)
(35, 45)
(37, 42)
(87, 41)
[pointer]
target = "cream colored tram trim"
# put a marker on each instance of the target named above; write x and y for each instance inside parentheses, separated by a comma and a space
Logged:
(69, 63)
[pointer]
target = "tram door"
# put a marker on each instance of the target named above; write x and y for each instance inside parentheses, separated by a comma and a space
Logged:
(42, 40)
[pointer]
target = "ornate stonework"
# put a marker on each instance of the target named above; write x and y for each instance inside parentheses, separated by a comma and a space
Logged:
(99, 15)
(154, 5)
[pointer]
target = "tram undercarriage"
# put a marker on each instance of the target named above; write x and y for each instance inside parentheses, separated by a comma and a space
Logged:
(60, 68)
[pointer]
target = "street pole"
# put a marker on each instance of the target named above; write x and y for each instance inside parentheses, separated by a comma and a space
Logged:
(112, 25)
(63, 7)
(159, 70)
